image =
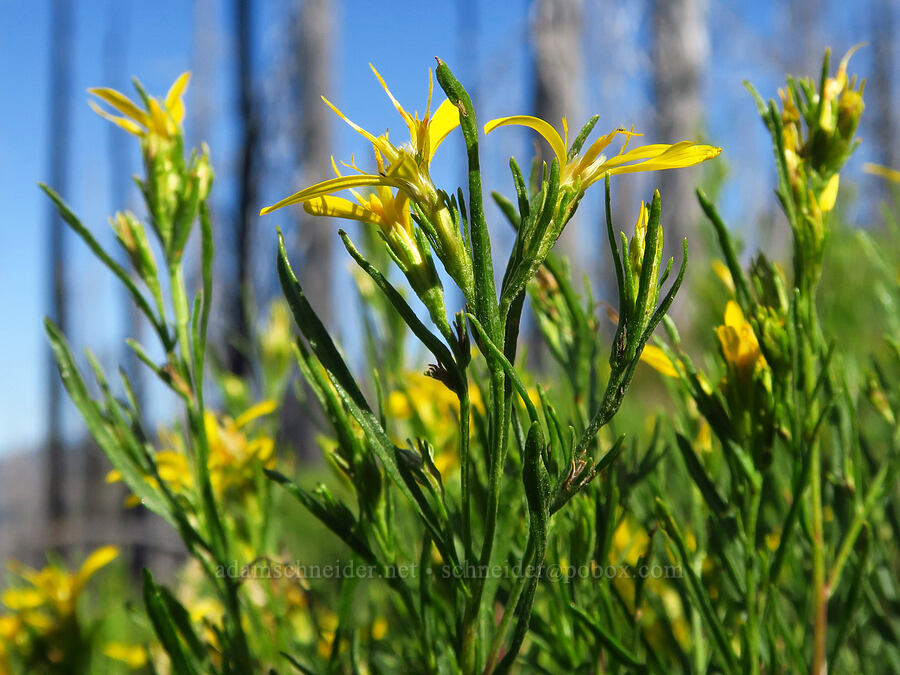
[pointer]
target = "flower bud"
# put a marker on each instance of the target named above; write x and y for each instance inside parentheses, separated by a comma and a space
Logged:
(133, 239)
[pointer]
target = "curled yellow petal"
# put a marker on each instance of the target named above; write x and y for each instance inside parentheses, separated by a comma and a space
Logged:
(332, 185)
(545, 129)
(121, 103)
(125, 123)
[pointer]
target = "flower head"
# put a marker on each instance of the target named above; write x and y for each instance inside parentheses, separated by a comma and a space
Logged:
(405, 167)
(580, 171)
(159, 118)
(235, 455)
(403, 177)
(51, 593)
(739, 344)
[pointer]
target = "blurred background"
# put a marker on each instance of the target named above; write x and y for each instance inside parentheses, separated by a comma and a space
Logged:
(672, 68)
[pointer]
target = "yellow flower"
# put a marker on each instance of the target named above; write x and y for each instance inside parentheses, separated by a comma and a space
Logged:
(53, 590)
(161, 119)
(405, 167)
(234, 458)
(379, 628)
(134, 656)
(841, 90)
(739, 343)
(581, 171)
(432, 405)
(172, 466)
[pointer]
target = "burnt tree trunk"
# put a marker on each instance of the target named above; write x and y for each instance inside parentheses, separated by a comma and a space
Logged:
(248, 188)
(58, 161)
(556, 37)
(311, 51)
(680, 50)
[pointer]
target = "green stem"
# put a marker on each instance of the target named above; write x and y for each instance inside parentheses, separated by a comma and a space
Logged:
(464, 414)
(509, 610)
(752, 600)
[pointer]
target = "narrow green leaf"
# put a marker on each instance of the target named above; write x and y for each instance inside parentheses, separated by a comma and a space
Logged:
(165, 628)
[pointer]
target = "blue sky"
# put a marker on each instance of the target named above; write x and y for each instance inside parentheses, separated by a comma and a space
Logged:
(401, 38)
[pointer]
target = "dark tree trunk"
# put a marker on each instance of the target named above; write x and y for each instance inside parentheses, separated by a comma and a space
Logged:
(557, 40)
(882, 87)
(58, 161)
(247, 205)
(680, 50)
(313, 38)
(312, 55)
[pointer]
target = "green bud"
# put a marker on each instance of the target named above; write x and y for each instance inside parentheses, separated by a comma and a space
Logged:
(130, 233)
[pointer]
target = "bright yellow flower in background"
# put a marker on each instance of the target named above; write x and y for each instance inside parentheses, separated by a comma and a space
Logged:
(430, 402)
(133, 656)
(161, 118)
(581, 171)
(46, 604)
(234, 456)
(739, 343)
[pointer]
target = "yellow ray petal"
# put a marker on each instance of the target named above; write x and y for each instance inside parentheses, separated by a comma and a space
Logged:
(121, 103)
(333, 185)
(173, 97)
(545, 129)
(369, 137)
(883, 171)
(160, 121)
(600, 144)
(262, 408)
(829, 194)
(18, 599)
(444, 120)
(127, 124)
(99, 558)
(338, 207)
(656, 358)
(405, 115)
(734, 317)
(677, 156)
